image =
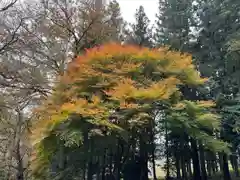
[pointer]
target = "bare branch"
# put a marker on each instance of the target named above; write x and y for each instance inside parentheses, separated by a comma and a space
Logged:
(13, 38)
(8, 6)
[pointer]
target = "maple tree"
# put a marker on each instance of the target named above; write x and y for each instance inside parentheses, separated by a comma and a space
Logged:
(106, 97)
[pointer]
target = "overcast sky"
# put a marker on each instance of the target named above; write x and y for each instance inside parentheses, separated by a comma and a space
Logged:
(129, 7)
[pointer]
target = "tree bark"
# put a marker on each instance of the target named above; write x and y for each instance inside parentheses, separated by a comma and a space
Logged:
(183, 167)
(90, 163)
(117, 161)
(189, 167)
(20, 168)
(167, 153)
(153, 153)
(103, 167)
(226, 172)
(209, 169)
(195, 158)
(234, 162)
(178, 166)
(143, 160)
(202, 161)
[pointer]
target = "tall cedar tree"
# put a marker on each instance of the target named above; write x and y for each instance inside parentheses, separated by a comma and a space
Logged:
(173, 24)
(173, 29)
(140, 33)
(216, 52)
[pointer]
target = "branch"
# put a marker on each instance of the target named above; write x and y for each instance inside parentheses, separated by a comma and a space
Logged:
(13, 37)
(8, 6)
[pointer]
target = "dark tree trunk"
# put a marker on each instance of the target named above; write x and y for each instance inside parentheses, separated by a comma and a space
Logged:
(90, 163)
(234, 162)
(189, 167)
(154, 166)
(183, 167)
(20, 169)
(178, 166)
(167, 152)
(209, 168)
(195, 158)
(143, 160)
(103, 167)
(90, 171)
(117, 165)
(226, 172)
(214, 163)
(153, 151)
(98, 173)
(221, 161)
(202, 161)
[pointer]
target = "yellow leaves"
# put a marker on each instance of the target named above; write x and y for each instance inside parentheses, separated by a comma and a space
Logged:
(126, 105)
(96, 100)
(123, 90)
(206, 104)
(179, 106)
(127, 89)
(158, 91)
(84, 108)
(124, 73)
(67, 106)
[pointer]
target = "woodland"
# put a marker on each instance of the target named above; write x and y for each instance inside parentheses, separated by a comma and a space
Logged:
(86, 95)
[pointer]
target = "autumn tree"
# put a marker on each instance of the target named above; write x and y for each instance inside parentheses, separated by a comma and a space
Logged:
(44, 37)
(106, 97)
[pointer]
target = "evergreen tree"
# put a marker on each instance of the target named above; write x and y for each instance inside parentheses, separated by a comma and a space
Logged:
(215, 54)
(173, 25)
(116, 21)
(140, 33)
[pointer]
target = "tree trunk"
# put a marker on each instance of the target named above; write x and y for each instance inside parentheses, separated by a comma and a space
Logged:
(195, 158)
(234, 162)
(178, 166)
(90, 163)
(90, 171)
(183, 167)
(20, 168)
(154, 166)
(226, 172)
(167, 153)
(153, 152)
(221, 161)
(143, 160)
(202, 161)
(103, 166)
(117, 161)
(189, 167)
(209, 168)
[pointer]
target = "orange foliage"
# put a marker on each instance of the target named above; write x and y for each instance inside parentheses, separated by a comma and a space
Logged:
(119, 72)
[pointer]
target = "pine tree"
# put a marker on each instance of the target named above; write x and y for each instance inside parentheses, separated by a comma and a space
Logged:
(140, 33)
(116, 21)
(216, 58)
(173, 25)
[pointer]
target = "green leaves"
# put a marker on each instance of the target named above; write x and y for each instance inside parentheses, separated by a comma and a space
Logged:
(71, 137)
(209, 121)
(196, 120)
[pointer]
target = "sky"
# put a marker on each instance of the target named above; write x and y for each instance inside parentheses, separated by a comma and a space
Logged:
(129, 7)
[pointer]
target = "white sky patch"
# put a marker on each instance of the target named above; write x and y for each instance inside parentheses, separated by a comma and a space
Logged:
(128, 8)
